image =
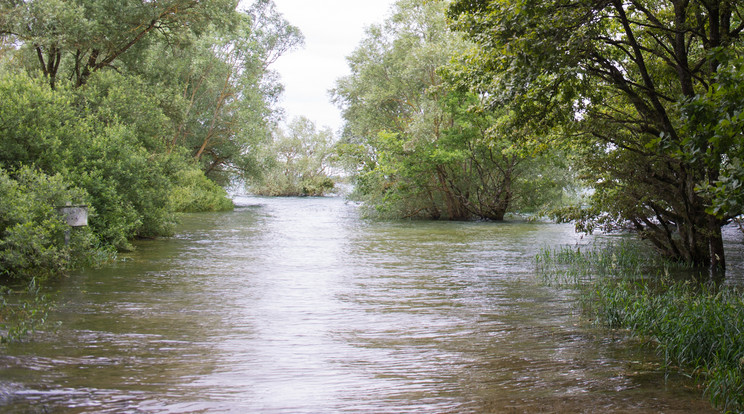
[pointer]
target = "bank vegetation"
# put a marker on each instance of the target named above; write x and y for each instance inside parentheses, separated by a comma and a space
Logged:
(137, 110)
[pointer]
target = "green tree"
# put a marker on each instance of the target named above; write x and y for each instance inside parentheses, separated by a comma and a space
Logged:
(77, 38)
(615, 76)
(224, 110)
(421, 146)
(298, 162)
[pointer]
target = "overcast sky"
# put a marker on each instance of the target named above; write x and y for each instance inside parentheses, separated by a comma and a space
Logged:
(332, 29)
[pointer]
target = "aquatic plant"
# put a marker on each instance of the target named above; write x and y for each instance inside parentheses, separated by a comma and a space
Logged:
(22, 311)
(698, 328)
(581, 264)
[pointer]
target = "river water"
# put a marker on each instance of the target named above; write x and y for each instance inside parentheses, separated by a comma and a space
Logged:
(298, 306)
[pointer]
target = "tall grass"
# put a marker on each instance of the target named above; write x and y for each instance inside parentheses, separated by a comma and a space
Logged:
(22, 311)
(577, 266)
(698, 328)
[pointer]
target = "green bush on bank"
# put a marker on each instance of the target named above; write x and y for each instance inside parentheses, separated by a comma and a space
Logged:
(696, 327)
(134, 183)
(32, 231)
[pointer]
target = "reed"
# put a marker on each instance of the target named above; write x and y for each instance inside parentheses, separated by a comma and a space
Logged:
(22, 311)
(576, 266)
(698, 328)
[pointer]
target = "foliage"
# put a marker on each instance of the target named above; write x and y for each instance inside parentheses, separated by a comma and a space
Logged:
(420, 146)
(74, 39)
(614, 79)
(191, 82)
(126, 184)
(298, 162)
(32, 231)
(716, 118)
(195, 193)
(225, 92)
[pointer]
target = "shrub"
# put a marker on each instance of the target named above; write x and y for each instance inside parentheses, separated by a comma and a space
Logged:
(32, 231)
(194, 192)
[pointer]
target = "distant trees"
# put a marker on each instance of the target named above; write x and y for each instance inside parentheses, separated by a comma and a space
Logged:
(418, 144)
(297, 162)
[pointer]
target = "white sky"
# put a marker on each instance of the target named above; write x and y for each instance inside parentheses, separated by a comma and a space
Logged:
(332, 29)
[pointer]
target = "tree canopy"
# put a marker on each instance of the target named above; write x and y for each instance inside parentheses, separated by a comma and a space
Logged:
(641, 90)
(418, 144)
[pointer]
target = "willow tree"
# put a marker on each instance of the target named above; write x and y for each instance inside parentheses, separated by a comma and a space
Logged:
(298, 162)
(228, 92)
(626, 78)
(77, 38)
(421, 146)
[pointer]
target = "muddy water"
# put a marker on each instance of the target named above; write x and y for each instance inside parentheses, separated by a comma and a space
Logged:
(298, 306)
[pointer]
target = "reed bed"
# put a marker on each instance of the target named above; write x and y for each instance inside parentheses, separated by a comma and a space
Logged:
(697, 327)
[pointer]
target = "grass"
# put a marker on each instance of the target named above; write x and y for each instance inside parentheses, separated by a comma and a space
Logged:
(698, 328)
(577, 266)
(22, 311)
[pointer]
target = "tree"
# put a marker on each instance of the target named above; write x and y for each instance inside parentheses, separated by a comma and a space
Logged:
(422, 146)
(225, 110)
(81, 37)
(617, 77)
(298, 162)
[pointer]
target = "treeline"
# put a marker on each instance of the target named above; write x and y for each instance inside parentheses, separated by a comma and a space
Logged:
(472, 109)
(138, 110)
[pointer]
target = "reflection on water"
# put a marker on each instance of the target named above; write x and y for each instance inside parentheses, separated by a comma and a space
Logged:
(297, 306)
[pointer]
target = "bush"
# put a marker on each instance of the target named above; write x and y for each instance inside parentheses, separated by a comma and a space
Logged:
(129, 186)
(194, 192)
(32, 231)
(125, 170)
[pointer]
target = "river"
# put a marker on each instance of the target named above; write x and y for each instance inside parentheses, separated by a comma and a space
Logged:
(297, 306)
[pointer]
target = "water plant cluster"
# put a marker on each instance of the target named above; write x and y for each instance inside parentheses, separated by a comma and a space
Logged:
(22, 311)
(697, 327)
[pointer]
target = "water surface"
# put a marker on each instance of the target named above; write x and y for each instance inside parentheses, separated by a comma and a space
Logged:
(298, 306)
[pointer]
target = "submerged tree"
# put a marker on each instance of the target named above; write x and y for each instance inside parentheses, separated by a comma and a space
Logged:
(298, 162)
(418, 145)
(624, 81)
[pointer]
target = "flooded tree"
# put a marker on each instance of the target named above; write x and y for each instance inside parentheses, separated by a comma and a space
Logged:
(418, 144)
(297, 162)
(630, 86)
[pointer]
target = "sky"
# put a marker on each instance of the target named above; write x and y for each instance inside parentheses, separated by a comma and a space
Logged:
(332, 29)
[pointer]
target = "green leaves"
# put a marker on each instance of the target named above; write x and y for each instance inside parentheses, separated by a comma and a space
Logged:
(298, 162)
(642, 91)
(32, 241)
